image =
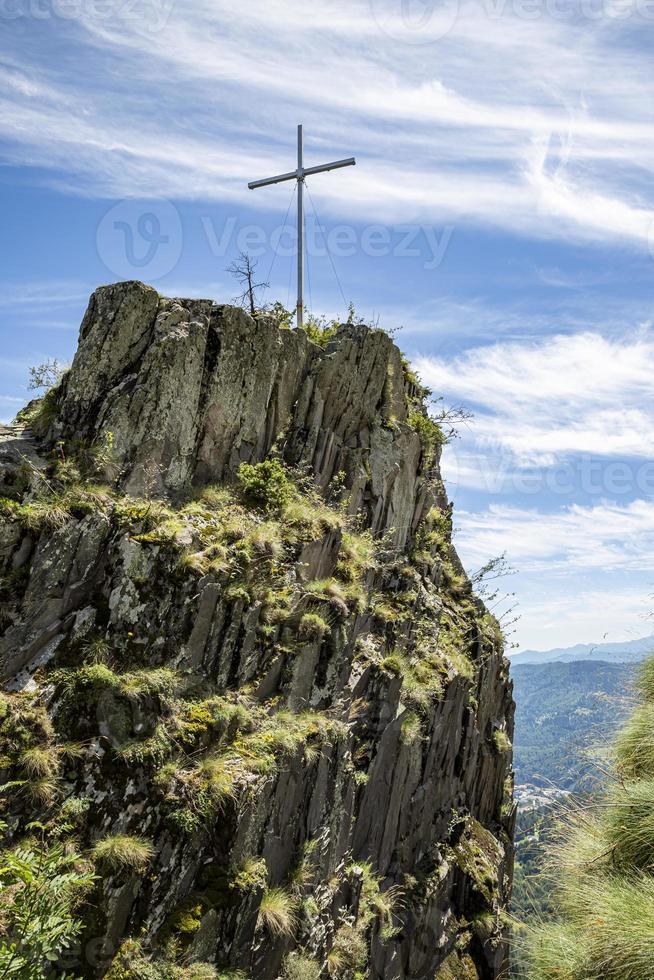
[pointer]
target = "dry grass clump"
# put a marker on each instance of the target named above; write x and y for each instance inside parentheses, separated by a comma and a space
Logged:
(278, 912)
(122, 852)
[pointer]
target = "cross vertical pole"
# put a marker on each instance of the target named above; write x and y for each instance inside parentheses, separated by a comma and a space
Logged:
(299, 319)
(300, 174)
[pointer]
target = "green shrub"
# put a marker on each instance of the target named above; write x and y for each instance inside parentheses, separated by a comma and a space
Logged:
(187, 920)
(635, 744)
(253, 743)
(41, 414)
(602, 873)
(307, 517)
(320, 330)
(356, 556)
(340, 596)
(122, 852)
(48, 512)
(629, 825)
(265, 540)
(421, 681)
(646, 680)
(303, 871)
(393, 664)
(411, 730)
(94, 678)
(374, 902)
(299, 966)
(266, 484)
(41, 790)
(618, 913)
(219, 776)
(250, 874)
(430, 432)
(40, 761)
(501, 741)
(349, 951)
(40, 766)
(131, 963)
(556, 953)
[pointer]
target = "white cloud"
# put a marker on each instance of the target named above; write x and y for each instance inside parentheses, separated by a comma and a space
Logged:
(557, 471)
(536, 139)
(584, 615)
(539, 401)
(606, 536)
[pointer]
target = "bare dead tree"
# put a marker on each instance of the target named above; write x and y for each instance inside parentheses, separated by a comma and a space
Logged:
(493, 569)
(45, 375)
(244, 271)
(493, 596)
(450, 418)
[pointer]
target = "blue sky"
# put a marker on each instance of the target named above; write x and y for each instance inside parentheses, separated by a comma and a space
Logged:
(501, 213)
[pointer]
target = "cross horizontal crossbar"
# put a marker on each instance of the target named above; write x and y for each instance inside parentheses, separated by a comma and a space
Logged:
(299, 174)
(304, 172)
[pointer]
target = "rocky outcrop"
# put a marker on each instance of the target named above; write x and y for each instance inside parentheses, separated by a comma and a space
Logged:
(277, 673)
(190, 390)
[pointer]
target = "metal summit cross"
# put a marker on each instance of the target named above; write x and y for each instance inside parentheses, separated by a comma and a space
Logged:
(300, 175)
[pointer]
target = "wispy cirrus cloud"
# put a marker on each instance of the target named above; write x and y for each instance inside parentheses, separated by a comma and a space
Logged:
(542, 400)
(535, 140)
(38, 294)
(601, 537)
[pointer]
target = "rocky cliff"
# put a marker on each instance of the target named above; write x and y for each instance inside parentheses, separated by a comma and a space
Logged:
(246, 677)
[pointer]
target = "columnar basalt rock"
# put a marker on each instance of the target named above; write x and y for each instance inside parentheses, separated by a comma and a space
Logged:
(286, 685)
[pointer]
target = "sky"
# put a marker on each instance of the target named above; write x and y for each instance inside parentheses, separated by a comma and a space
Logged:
(500, 221)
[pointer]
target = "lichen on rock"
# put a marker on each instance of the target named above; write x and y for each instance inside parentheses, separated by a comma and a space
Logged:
(245, 672)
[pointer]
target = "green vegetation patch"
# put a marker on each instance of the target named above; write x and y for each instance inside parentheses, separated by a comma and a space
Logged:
(430, 433)
(250, 749)
(478, 854)
(132, 963)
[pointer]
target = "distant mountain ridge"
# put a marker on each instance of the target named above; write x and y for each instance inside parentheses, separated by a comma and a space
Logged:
(628, 652)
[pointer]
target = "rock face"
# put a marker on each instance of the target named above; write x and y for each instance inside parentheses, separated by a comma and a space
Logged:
(190, 390)
(284, 682)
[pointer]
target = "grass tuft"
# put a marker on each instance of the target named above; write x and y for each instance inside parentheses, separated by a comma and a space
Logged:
(635, 744)
(312, 627)
(278, 912)
(40, 761)
(501, 741)
(602, 872)
(645, 681)
(122, 852)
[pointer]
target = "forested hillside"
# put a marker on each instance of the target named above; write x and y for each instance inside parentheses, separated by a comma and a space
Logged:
(565, 715)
